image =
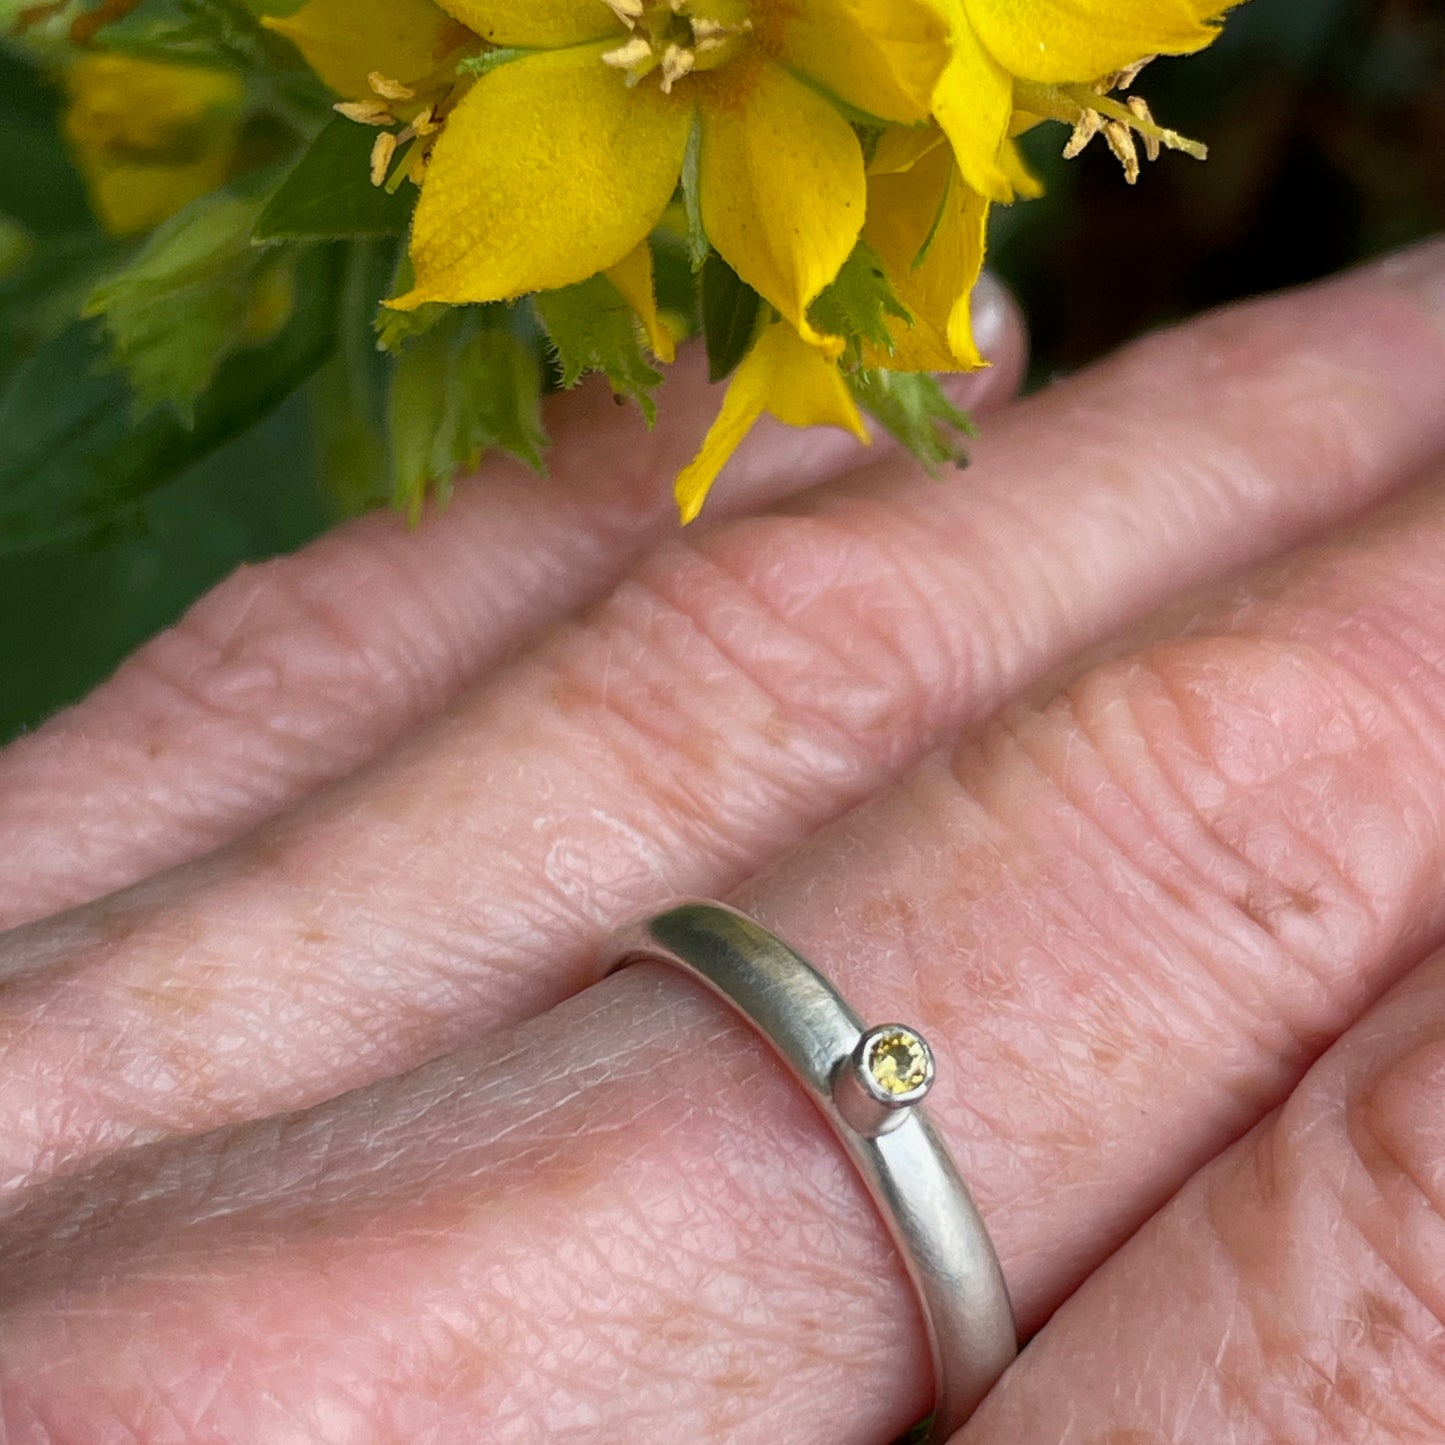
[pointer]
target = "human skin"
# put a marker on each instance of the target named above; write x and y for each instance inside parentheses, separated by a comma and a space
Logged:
(1114, 765)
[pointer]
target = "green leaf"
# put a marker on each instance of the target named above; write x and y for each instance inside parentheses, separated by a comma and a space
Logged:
(197, 292)
(859, 301)
(730, 311)
(76, 457)
(913, 407)
(46, 292)
(203, 32)
(39, 186)
(467, 384)
(592, 328)
(329, 195)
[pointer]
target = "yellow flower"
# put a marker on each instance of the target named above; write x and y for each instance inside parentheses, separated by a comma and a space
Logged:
(559, 162)
(927, 226)
(781, 375)
(149, 138)
(1037, 55)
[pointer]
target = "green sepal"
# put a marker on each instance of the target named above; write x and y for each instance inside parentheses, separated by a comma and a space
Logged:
(396, 329)
(329, 195)
(490, 60)
(690, 183)
(467, 384)
(914, 409)
(197, 291)
(591, 328)
(857, 303)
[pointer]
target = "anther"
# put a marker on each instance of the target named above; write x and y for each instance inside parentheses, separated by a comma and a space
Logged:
(381, 157)
(389, 89)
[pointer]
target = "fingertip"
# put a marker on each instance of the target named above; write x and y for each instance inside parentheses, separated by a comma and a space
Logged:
(1417, 273)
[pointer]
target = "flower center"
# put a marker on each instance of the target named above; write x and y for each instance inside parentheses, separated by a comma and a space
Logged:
(676, 37)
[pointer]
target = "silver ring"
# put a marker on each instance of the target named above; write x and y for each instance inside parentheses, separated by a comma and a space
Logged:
(867, 1084)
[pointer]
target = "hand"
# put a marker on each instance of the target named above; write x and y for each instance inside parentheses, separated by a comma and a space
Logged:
(377, 805)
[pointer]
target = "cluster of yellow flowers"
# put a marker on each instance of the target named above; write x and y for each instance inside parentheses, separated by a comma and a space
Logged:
(549, 139)
(559, 161)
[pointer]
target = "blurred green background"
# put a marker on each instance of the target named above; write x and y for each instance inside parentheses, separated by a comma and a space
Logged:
(1326, 120)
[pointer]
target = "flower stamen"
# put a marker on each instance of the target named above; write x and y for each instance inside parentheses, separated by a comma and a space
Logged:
(672, 37)
(389, 89)
(1092, 110)
(419, 108)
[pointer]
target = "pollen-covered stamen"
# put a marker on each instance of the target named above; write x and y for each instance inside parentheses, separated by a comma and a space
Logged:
(383, 152)
(1139, 108)
(389, 89)
(1092, 110)
(365, 112)
(1120, 140)
(676, 37)
(419, 108)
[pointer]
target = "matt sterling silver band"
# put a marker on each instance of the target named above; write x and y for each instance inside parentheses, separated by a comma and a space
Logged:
(867, 1084)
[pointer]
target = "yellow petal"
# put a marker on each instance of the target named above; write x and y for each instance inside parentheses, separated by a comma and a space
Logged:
(1082, 40)
(929, 203)
(541, 24)
(783, 375)
(633, 277)
(900, 148)
(149, 137)
(881, 56)
(782, 185)
(551, 170)
(973, 102)
(345, 41)
(1024, 182)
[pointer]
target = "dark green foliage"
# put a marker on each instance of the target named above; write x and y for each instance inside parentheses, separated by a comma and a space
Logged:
(327, 195)
(730, 316)
(79, 451)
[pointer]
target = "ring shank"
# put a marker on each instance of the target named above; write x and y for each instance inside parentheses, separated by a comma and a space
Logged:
(908, 1171)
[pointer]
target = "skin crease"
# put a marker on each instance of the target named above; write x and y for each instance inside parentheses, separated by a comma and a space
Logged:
(1130, 912)
(736, 692)
(294, 672)
(1310, 1254)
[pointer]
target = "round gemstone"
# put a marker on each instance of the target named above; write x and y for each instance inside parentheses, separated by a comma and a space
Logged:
(898, 1062)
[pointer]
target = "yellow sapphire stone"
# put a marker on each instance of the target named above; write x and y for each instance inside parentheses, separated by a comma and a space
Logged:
(898, 1062)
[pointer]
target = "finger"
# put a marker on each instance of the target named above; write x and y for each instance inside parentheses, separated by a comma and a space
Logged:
(1293, 1291)
(292, 673)
(723, 704)
(1128, 920)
